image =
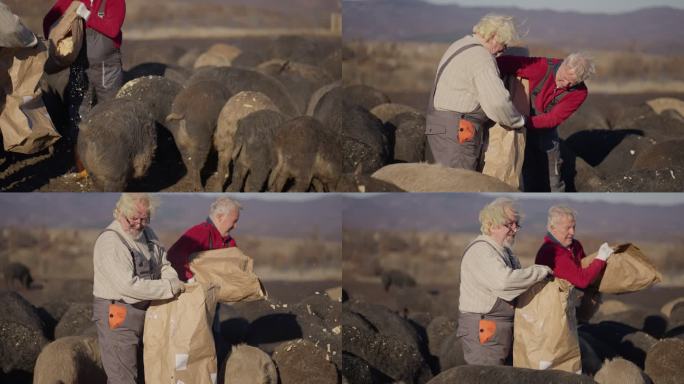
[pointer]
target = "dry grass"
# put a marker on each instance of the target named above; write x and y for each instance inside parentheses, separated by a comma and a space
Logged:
(67, 254)
(410, 67)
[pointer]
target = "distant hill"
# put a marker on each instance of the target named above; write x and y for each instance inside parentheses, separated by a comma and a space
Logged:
(654, 30)
(321, 216)
(459, 213)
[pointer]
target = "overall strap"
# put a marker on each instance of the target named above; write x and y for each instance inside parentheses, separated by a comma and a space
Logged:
(441, 69)
(125, 243)
(101, 10)
(550, 66)
(150, 246)
(491, 246)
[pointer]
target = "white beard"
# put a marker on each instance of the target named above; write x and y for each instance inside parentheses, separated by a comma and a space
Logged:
(134, 234)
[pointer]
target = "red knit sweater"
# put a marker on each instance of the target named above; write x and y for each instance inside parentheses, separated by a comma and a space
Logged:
(566, 262)
(109, 25)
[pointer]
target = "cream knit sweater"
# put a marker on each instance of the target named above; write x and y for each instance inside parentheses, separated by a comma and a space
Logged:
(489, 271)
(472, 79)
(113, 268)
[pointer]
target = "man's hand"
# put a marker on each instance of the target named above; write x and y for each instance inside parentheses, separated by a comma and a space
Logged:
(545, 271)
(83, 11)
(605, 252)
(177, 287)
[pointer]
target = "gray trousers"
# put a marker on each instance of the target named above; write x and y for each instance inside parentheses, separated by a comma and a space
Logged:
(495, 351)
(120, 348)
(444, 148)
(89, 84)
(542, 166)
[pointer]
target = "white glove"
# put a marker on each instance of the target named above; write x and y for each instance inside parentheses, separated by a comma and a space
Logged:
(177, 287)
(604, 252)
(83, 11)
(545, 271)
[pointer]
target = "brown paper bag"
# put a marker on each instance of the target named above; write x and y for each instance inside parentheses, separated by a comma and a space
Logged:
(505, 150)
(545, 331)
(627, 270)
(230, 270)
(178, 342)
(65, 40)
(24, 121)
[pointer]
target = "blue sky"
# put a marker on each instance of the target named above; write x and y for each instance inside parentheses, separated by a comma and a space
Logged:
(586, 6)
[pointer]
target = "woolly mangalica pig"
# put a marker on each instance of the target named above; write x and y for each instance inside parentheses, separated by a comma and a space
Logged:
(240, 79)
(238, 106)
(117, 142)
(192, 123)
(301, 80)
(254, 155)
(156, 92)
(17, 275)
(307, 157)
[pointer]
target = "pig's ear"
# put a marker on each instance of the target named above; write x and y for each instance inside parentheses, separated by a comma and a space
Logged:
(174, 116)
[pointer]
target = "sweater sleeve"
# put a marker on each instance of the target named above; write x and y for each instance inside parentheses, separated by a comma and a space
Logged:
(115, 264)
(560, 112)
(179, 253)
(504, 282)
(516, 65)
(495, 99)
(110, 24)
(566, 268)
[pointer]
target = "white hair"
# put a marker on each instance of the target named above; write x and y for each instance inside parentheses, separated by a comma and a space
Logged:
(500, 26)
(128, 204)
(222, 206)
(558, 212)
(581, 64)
(497, 213)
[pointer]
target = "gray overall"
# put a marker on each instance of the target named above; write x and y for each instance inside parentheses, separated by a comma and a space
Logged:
(543, 162)
(441, 128)
(497, 350)
(121, 347)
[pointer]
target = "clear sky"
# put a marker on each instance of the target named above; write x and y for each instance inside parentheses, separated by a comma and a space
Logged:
(586, 6)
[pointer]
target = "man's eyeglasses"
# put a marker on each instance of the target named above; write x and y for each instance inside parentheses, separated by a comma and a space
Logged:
(513, 225)
(142, 220)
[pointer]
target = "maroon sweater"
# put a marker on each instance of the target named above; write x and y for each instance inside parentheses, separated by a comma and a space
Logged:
(534, 69)
(566, 262)
(109, 25)
(201, 237)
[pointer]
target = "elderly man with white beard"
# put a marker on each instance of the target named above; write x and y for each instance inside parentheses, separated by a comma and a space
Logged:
(491, 280)
(130, 269)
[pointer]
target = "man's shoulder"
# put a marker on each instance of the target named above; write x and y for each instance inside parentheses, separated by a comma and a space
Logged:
(200, 228)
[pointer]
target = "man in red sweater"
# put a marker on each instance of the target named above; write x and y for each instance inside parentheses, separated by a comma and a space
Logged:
(558, 90)
(214, 233)
(562, 253)
(97, 73)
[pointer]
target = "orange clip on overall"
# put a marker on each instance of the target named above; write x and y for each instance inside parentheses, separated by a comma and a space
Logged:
(466, 131)
(487, 330)
(117, 315)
